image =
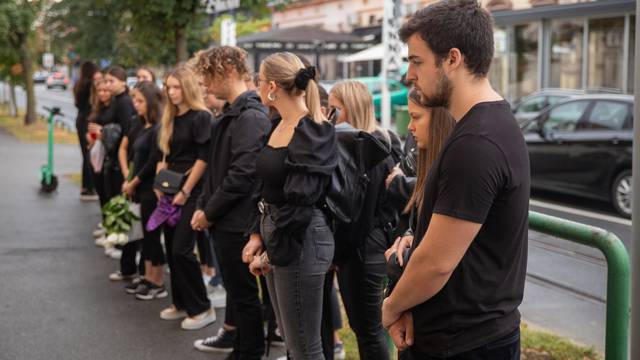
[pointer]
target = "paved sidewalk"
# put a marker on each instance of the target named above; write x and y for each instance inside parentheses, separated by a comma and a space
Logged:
(55, 299)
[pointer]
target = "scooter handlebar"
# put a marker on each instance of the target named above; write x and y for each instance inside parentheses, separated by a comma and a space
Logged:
(54, 110)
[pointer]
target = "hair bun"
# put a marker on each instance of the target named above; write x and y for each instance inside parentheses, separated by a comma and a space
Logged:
(303, 76)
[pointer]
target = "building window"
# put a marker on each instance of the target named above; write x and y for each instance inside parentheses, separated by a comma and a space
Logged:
(606, 48)
(567, 37)
(524, 60)
(499, 71)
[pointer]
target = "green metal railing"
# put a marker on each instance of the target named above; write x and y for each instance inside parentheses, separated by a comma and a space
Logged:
(618, 274)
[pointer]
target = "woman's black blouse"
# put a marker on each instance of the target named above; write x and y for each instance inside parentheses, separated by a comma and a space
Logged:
(271, 167)
(124, 110)
(310, 160)
(141, 140)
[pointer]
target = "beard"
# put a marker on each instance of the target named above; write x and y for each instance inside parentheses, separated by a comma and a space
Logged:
(442, 95)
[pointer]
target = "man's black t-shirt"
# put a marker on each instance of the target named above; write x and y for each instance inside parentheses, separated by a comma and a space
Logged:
(481, 176)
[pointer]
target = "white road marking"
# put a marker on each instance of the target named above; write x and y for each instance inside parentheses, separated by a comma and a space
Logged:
(585, 213)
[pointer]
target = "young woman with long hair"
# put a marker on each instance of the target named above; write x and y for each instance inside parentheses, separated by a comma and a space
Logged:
(295, 168)
(183, 141)
(430, 127)
(144, 73)
(142, 138)
(82, 97)
(361, 264)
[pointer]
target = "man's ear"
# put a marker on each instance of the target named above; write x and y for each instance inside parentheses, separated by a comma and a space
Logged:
(454, 61)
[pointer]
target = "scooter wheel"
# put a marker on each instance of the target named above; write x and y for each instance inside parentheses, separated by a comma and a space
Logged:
(49, 187)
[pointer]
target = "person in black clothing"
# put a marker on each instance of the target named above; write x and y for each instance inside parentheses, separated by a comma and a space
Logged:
(82, 96)
(228, 205)
(460, 290)
(142, 137)
(108, 179)
(124, 111)
(430, 128)
(361, 266)
(183, 141)
(295, 168)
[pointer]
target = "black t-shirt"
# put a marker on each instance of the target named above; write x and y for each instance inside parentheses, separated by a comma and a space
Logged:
(481, 176)
(144, 167)
(136, 125)
(272, 169)
(190, 140)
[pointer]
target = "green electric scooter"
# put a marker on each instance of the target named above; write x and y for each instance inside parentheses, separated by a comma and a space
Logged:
(48, 181)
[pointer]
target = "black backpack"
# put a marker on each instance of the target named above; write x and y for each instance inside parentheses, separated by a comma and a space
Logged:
(358, 151)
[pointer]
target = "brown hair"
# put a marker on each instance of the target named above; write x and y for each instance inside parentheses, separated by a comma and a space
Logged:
(96, 104)
(153, 97)
(440, 127)
(216, 61)
(356, 98)
(191, 95)
(283, 68)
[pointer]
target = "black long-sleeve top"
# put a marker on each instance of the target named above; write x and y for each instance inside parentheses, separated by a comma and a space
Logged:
(124, 110)
(311, 158)
(231, 190)
(142, 140)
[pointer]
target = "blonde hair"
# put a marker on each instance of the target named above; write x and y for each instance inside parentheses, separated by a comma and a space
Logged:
(356, 98)
(191, 95)
(282, 68)
(440, 127)
(216, 61)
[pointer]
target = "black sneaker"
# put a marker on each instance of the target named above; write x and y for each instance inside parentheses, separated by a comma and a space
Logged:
(151, 291)
(135, 287)
(221, 343)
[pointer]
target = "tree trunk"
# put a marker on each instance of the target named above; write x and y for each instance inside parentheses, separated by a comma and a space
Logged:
(13, 105)
(181, 44)
(27, 72)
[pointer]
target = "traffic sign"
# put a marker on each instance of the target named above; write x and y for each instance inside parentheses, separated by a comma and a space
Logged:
(47, 60)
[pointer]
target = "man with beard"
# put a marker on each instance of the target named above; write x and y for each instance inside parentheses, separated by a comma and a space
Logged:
(459, 294)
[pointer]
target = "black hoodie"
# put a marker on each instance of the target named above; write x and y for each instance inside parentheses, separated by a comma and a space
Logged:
(231, 190)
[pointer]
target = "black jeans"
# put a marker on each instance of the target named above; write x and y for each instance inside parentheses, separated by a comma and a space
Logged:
(505, 348)
(187, 286)
(361, 286)
(242, 295)
(87, 172)
(205, 253)
(108, 184)
(151, 245)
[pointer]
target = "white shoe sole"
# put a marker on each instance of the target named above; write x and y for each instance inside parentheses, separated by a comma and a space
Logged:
(160, 295)
(179, 315)
(200, 324)
(198, 345)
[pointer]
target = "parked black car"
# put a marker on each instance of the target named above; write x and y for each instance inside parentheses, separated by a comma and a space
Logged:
(532, 105)
(583, 146)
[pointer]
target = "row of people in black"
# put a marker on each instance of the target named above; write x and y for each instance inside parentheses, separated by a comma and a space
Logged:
(257, 179)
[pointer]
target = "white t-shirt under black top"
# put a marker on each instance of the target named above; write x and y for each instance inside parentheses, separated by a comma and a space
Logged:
(481, 176)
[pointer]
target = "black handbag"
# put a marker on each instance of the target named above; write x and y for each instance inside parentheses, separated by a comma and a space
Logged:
(169, 182)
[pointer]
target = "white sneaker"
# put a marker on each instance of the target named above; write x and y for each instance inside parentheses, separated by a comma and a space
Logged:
(217, 296)
(108, 250)
(118, 276)
(199, 321)
(100, 231)
(101, 241)
(115, 254)
(171, 313)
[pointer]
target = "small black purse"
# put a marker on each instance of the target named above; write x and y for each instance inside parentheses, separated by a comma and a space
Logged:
(169, 182)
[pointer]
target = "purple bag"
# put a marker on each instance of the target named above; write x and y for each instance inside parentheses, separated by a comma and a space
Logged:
(164, 212)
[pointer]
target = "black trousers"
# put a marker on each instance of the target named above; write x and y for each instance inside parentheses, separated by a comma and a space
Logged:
(108, 184)
(361, 286)
(242, 295)
(205, 252)
(151, 245)
(128, 265)
(188, 291)
(87, 172)
(506, 348)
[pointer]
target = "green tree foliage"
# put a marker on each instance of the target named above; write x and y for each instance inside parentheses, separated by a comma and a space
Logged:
(17, 19)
